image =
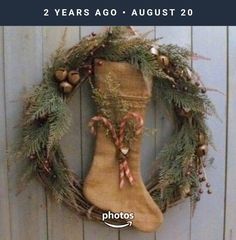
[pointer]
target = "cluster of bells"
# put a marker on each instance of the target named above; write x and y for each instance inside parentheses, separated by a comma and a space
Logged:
(161, 58)
(201, 151)
(202, 148)
(67, 80)
(165, 62)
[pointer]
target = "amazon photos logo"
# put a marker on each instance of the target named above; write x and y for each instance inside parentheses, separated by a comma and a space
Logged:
(128, 217)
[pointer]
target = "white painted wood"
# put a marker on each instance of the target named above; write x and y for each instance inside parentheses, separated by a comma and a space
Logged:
(149, 140)
(4, 199)
(230, 214)
(27, 216)
(62, 223)
(177, 218)
(23, 67)
(208, 219)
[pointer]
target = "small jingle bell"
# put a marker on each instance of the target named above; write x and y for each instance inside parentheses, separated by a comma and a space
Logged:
(201, 138)
(61, 74)
(202, 150)
(164, 60)
(66, 87)
(73, 77)
(185, 190)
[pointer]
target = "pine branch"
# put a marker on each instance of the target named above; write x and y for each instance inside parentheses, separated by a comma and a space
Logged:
(59, 124)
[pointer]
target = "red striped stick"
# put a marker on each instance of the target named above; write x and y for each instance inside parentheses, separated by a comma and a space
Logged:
(118, 140)
(106, 123)
(127, 172)
(122, 175)
(124, 121)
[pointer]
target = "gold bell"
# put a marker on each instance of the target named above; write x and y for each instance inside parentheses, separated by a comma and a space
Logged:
(185, 190)
(202, 150)
(61, 74)
(66, 87)
(73, 77)
(164, 60)
(201, 139)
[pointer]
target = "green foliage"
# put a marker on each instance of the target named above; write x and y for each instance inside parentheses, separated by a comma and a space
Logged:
(190, 99)
(47, 119)
(59, 123)
(109, 102)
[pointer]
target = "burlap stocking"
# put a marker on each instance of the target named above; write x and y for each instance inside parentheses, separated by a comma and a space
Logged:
(101, 186)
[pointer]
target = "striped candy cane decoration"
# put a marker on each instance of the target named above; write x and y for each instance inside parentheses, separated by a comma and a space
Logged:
(107, 123)
(124, 121)
(122, 175)
(118, 141)
(138, 129)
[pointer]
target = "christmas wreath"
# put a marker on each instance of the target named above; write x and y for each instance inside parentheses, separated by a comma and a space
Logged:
(110, 61)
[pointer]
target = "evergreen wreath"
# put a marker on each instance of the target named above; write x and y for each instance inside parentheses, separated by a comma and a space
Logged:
(47, 118)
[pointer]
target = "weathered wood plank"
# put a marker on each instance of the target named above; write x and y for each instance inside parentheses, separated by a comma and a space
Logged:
(25, 49)
(62, 223)
(23, 67)
(148, 151)
(176, 221)
(208, 219)
(230, 216)
(4, 199)
(92, 230)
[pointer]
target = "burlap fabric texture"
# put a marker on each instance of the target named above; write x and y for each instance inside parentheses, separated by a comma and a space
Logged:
(101, 186)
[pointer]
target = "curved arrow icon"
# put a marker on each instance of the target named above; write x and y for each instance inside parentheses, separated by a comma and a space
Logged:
(129, 223)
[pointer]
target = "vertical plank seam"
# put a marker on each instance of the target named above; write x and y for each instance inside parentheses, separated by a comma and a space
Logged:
(226, 130)
(190, 215)
(155, 107)
(6, 132)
